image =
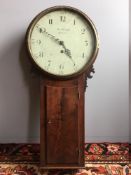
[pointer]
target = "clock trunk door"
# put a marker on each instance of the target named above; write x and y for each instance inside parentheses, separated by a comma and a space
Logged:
(62, 125)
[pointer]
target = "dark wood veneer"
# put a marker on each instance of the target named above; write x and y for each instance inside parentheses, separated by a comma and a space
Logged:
(62, 123)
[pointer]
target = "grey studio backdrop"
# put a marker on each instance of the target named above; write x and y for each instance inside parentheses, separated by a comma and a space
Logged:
(107, 95)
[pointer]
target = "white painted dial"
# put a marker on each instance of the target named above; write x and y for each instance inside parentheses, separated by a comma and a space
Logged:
(61, 42)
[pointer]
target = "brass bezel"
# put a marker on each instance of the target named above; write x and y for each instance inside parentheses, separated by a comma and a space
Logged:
(91, 24)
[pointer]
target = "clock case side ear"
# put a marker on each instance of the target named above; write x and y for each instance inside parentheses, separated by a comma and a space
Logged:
(86, 69)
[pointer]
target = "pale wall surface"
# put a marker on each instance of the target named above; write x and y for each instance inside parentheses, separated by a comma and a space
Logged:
(107, 106)
(130, 70)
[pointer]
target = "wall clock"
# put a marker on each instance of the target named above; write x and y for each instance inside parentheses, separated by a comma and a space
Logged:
(62, 43)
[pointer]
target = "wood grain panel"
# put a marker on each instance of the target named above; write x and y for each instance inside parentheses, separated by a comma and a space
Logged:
(62, 125)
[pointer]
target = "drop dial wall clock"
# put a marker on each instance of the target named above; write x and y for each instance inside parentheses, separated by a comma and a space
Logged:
(62, 44)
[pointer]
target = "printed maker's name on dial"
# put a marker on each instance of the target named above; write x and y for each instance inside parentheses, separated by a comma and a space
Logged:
(63, 30)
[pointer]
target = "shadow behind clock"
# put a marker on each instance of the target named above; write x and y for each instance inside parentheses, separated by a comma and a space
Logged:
(32, 80)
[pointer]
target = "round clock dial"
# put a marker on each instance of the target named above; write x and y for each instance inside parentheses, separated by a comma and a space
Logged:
(62, 41)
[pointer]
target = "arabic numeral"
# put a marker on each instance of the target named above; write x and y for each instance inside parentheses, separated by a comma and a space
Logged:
(33, 41)
(41, 54)
(83, 31)
(62, 18)
(61, 67)
(74, 22)
(38, 41)
(86, 43)
(75, 67)
(48, 65)
(41, 29)
(50, 21)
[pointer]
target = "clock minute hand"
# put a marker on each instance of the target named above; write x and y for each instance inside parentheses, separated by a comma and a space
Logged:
(67, 51)
(51, 36)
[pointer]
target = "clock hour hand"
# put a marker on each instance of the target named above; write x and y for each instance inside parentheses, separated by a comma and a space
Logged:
(67, 51)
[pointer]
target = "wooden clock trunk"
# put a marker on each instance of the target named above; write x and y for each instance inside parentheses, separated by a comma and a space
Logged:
(62, 123)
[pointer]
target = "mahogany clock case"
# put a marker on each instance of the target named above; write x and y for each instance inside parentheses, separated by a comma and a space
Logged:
(62, 100)
(62, 123)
